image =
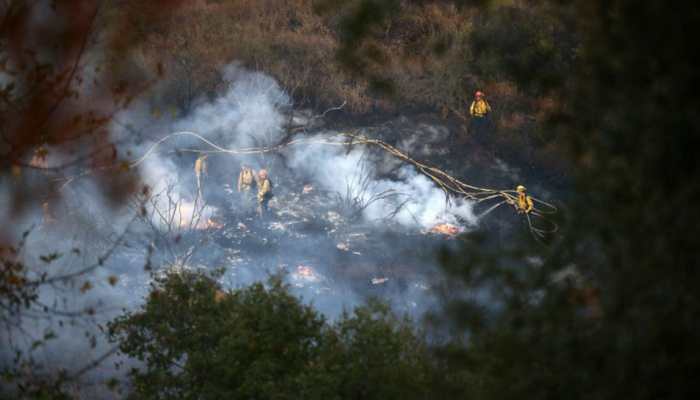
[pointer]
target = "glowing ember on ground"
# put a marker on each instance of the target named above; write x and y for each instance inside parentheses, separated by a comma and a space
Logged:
(304, 274)
(212, 224)
(446, 229)
(303, 270)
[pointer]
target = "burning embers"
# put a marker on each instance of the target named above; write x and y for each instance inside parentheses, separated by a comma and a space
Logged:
(201, 224)
(305, 273)
(306, 277)
(446, 229)
(211, 223)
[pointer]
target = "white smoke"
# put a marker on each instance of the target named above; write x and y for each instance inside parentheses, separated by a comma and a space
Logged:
(417, 202)
(249, 112)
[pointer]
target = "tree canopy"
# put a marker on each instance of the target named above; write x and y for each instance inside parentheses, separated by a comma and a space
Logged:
(196, 341)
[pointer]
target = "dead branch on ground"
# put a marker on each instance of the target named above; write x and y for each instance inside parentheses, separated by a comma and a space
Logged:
(451, 186)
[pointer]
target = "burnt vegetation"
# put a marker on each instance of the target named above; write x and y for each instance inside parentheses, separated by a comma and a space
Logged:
(116, 284)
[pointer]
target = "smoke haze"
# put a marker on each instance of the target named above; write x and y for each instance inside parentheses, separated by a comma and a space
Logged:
(335, 262)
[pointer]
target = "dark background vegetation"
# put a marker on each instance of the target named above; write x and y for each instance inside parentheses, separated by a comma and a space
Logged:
(611, 311)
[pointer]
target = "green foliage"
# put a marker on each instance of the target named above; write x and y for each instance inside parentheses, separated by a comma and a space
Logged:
(611, 309)
(528, 45)
(261, 342)
(380, 356)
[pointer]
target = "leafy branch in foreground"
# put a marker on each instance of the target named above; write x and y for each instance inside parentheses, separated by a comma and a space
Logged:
(263, 342)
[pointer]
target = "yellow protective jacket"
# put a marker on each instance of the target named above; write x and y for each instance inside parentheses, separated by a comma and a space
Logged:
(264, 190)
(245, 180)
(200, 166)
(479, 108)
(524, 203)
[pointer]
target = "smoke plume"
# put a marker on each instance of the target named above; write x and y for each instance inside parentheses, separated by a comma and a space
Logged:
(334, 262)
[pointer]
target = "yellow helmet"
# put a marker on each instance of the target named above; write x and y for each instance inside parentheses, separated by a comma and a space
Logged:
(520, 188)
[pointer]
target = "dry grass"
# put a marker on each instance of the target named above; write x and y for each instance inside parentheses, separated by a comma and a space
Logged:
(424, 50)
(298, 47)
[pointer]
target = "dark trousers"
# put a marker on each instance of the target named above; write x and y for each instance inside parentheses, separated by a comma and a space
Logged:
(480, 131)
(263, 207)
(479, 128)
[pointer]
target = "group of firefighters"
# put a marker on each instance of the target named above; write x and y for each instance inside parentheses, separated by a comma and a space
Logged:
(250, 182)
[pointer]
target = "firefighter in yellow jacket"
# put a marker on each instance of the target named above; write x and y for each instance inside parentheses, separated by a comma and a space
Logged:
(246, 186)
(524, 203)
(264, 192)
(200, 170)
(246, 179)
(479, 111)
(480, 107)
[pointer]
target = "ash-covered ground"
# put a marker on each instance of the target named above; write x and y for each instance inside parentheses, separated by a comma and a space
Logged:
(329, 255)
(343, 225)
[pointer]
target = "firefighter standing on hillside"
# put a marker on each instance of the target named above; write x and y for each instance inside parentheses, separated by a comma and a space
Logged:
(479, 111)
(264, 192)
(480, 107)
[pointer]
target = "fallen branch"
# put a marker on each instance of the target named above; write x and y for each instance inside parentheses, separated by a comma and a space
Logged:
(451, 186)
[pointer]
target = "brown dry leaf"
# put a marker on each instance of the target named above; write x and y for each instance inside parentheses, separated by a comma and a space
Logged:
(124, 166)
(86, 286)
(113, 280)
(14, 280)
